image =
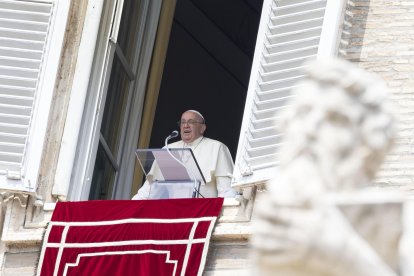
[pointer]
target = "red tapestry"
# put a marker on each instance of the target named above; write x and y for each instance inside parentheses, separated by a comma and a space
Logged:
(129, 237)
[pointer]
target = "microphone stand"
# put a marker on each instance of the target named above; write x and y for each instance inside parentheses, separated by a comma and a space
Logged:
(173, 135)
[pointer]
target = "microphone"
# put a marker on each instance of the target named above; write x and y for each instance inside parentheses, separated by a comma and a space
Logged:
(173, 134)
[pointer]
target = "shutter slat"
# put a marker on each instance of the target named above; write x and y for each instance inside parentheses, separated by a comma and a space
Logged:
(280, 73)
(9, 166)
(291, 45)
(268, 113)
(277, 84)
(17, 91)
(279, 20)
(11, 157)
(269, 140)
(24, 102)
(265, 161)
(11, 128)
(12, 138)
(291, 55)
(19, 62)
(259, 124)
(12, 148)
(272, 103)
(22, 34)
(286, 64)
(9, 138)
(20, 53)
(284, 3)
(294, 29)
(15, 109)
(264, 132)
(21, 44)
(294, 26)
(297, 36)
(18, 82)
(262, 151)
(272, 94)
(14, 119)
(303, 4)
(23, 25)
(18, 72)
(25, 15)
(28, 6)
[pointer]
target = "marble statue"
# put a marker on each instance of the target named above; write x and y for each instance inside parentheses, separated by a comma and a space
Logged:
(319, 215)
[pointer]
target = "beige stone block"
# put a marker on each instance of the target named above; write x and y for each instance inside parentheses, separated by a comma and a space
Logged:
(20, 263)
(403, 67)
(388, 11)
(227, 256)
(402, 61)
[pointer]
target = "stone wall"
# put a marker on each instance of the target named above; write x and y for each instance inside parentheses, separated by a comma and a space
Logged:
(379, 36)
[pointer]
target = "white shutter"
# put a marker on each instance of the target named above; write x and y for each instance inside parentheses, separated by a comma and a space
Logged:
(289, 34)
(24, 33)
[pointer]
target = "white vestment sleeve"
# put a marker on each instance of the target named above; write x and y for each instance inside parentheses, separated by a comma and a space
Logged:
(223, 165)
(143, 192)
(224, 188)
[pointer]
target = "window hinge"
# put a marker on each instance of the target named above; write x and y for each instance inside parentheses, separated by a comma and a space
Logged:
(246, 171)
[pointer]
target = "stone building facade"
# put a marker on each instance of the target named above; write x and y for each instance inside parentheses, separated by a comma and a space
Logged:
(378, 35)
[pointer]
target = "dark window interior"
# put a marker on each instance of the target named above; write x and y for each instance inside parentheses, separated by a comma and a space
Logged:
(207, 67)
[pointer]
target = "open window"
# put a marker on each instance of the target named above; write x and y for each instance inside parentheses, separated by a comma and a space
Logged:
(30, 45)
(207, 30)
(290, 32)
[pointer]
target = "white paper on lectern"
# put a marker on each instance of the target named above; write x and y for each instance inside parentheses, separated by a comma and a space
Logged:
(170, 168)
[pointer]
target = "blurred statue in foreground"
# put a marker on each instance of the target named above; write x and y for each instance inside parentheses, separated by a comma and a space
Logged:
(318, 217)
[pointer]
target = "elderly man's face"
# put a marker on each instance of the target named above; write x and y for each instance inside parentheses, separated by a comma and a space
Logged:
(191, 126)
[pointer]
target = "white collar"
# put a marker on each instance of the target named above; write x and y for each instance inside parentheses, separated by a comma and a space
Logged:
(193, 143)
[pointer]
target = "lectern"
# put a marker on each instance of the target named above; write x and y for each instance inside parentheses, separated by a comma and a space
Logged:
(172, 173)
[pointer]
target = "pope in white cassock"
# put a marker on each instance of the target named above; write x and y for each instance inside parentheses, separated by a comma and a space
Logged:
(213, 157)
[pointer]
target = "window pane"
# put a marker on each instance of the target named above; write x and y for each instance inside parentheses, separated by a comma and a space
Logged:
(128, 28)
(103, 177)
(116, 102)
